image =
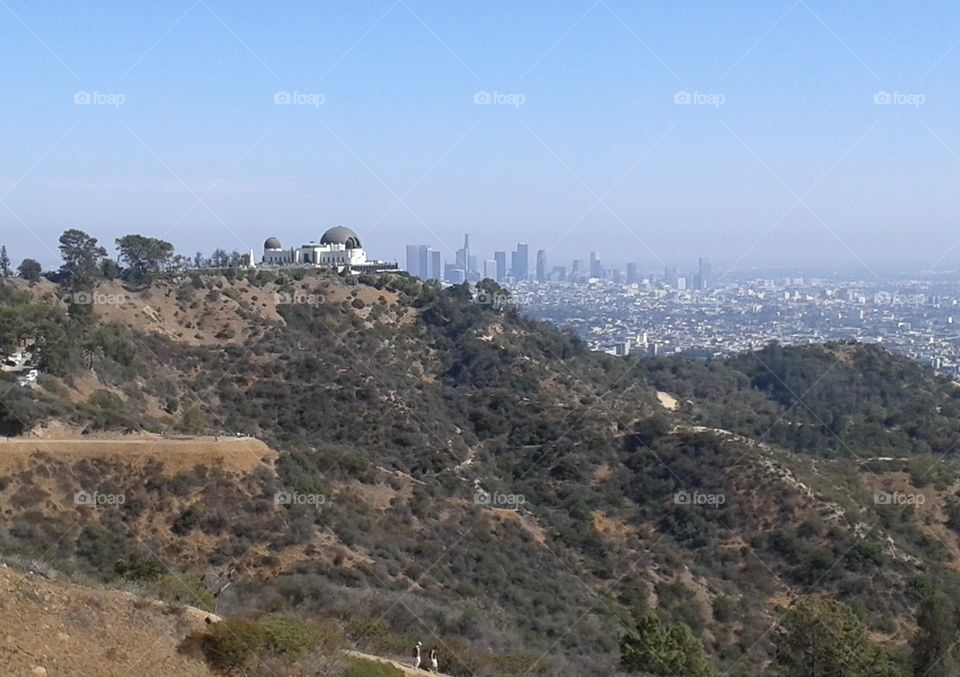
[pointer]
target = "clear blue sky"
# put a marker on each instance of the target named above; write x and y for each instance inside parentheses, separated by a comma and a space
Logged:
(781, 157)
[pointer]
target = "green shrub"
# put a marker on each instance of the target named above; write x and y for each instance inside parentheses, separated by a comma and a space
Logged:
(188, 590)
(287, 636)
(139, 568)
(233, 644)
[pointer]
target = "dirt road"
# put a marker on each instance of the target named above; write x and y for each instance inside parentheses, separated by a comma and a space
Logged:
(241, 454)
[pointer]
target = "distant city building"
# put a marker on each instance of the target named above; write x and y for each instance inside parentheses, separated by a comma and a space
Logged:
(520, 263)
(453, 274)
(463, 254)
(501, 259)
(632, 277)
(670, 276)
(435, 267)
(541, 265)
(490, 269)
(704, 278)
(559, 274)
(424, 262)
(413, 259)
(577, 270)
(596, 269)
(339, 248)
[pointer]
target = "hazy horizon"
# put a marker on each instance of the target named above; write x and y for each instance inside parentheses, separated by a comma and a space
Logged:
(795, 134)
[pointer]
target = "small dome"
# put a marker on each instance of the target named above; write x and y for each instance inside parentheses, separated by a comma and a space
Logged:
(341, 235)
(272, 243)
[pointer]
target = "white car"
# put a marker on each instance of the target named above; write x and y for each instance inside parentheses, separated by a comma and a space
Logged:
(32, 375)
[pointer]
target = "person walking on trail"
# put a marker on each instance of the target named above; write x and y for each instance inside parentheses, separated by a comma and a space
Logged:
(416, 656)
(433, 661)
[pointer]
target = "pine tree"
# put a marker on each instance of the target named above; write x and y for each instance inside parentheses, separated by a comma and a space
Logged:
(657, 649)
(821, 637)
(935, 652)
(5, 270)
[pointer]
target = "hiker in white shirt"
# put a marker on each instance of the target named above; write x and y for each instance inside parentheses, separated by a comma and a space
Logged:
(416, 656)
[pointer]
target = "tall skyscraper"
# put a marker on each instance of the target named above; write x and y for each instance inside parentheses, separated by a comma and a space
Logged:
(501, 259)
(596, 269)
(418, 263)
(424, 261)
(434, 266)
(463, 255)
(490, 269)
(541, 265)
(704, 274)
(632, 273)
(413, 259)
(520, 262)
(578, 271)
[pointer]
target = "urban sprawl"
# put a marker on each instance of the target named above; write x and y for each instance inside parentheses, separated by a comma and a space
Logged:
(625, 311)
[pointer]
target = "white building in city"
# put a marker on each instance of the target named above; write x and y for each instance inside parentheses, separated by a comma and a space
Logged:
(338, 248)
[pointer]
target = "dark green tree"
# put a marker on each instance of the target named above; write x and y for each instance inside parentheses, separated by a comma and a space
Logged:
(656, 649)
(142, 257)
(109, 269)
(29, 270)
(81, 259)
(220, 258)
(935, 650)
(821, 637)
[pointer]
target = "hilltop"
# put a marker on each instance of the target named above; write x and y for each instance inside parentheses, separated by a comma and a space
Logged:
(488, 485)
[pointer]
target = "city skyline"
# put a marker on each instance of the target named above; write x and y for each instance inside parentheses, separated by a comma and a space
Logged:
(428, 263)
(779, 134)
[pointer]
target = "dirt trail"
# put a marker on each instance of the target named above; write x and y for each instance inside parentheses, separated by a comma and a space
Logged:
(405, 669)
(241, 454)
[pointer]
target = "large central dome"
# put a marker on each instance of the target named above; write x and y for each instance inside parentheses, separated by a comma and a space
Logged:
(341, 235)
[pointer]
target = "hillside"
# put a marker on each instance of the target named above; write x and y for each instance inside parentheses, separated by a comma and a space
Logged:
(55, 628)
(479, 481)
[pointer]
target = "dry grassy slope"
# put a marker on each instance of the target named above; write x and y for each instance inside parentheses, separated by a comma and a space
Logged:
(54, 628)
(173, 308)
(41, 476)
(197, 317)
